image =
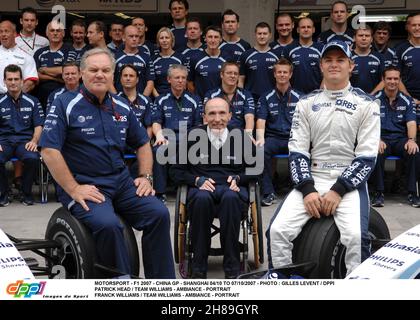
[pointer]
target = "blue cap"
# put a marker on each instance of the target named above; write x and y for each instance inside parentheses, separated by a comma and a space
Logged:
(337, 44)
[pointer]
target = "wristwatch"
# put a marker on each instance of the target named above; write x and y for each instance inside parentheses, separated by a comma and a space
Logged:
(148, 177)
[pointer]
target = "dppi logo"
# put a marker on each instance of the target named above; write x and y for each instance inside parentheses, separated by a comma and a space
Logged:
(27, 290)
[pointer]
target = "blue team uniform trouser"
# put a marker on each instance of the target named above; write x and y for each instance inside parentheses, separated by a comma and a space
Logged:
(396, 147)
(230, 207)
(30, 164)
(142, 213)
(272, 146)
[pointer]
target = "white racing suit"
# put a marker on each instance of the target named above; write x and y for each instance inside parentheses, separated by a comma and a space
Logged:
(333, 146)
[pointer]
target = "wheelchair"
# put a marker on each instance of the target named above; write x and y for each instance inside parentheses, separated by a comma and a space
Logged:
(251, 225)
(69, 250)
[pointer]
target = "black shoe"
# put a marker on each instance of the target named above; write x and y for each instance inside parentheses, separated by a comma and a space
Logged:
(27, 201)
(378, 199)
(4, 200)
(199, 275)
(413, 200)
(268, 200)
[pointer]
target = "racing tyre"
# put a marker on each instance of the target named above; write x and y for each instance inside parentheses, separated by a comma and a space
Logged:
(319, 242)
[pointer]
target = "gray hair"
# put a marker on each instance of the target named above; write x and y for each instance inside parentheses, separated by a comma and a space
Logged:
(96, 51)
(176, 67)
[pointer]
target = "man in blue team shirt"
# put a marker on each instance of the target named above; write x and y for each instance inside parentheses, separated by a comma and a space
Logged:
(147, 46)
(398, 136)
(83, 143)
(132, 55)
(71, 77)
(171, 111)
(240, 101)
(368, 64)
(274, 118)
(284, 28)
(21, 119)
(179, 13)
(305, 56)
(78, 46)
(257, 63)
(232, 45)
(194, 47)
(49, 62)
(381, 33)
(116, 34)
(339, 29)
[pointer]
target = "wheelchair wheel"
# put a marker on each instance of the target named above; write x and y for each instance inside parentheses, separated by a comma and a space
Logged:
(319, 242)
(77, 253)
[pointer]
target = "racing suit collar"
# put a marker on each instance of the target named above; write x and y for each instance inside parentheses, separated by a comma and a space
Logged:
(334, 94)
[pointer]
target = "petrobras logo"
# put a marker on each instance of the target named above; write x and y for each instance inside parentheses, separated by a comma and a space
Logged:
(20, 289)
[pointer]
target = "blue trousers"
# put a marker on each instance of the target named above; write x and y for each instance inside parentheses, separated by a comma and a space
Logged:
(272, 147)
(30, 164)
(396, 148)
(142, 213)
(230, 207)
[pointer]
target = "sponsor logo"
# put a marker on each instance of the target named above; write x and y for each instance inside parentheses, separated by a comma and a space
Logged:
(346, 104)
(316, 107)
(81, 119)
(21, 289)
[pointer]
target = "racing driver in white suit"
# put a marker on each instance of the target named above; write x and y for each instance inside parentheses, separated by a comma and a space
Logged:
(332, 151)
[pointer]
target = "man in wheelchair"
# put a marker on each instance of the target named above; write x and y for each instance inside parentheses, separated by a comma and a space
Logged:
(83, 144)
(217, 173)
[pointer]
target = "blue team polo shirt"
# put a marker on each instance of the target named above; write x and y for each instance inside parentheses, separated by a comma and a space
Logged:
(18, 118)
(142, 108)
(277, 110)
(394, 117)
(409, 64)
(161, 65)
(367, 72)
(92, 137)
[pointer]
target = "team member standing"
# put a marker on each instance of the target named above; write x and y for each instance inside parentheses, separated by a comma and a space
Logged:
(257, 63)
(398, 136)
(305, 56)
(284, 28)
(232, 46)
(28, 40)
(332, 149)
(179, 13)
(21, 119)
(381, 34)
(274, 119)
(83, 141)
(194, 47)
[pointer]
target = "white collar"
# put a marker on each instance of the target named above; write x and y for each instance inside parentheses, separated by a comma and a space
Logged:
(217, 140)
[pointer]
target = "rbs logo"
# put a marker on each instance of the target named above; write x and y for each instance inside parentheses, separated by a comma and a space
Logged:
(27, 290)
(346, 104)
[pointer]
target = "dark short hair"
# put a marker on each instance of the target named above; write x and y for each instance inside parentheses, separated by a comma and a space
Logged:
(129, 66)
(184, 2)
(262, 25)
(100, 26)
(12, 68)
(390, 68)
(29, 10)
(213, 28)
(194, 19)
(283, 62)
(78, 22)
(230, 12)
(382, 25)
(285, 14)
(339, 2)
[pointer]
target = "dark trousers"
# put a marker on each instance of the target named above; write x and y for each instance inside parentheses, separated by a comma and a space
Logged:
(396, 148)
(230, 207)
(30, 164)
(272, 147)
(142, 213)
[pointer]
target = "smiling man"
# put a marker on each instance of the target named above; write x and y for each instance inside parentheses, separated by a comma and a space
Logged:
(332, 151)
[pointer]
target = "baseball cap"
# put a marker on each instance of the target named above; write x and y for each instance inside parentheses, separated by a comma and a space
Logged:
(337, 44)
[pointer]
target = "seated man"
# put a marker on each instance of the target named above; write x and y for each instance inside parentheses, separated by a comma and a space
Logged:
(21, 119)
(83, 143)
(398, 136)
(217, 186)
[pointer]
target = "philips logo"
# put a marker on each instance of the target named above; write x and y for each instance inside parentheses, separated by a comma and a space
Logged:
(346, 104)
